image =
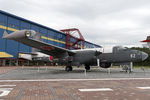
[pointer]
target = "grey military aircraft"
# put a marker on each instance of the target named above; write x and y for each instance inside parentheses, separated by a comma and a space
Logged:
(88, 57)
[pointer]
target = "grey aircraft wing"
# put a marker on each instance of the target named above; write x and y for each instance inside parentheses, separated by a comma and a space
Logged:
(26, 37)
(45, 47)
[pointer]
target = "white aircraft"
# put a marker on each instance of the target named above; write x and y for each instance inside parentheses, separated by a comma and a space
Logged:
(36, 56)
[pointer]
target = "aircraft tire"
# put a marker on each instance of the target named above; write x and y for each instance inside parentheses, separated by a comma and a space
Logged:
(87, 67)
(68, 68)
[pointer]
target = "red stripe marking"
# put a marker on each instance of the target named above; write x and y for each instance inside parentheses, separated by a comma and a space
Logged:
(145, 41)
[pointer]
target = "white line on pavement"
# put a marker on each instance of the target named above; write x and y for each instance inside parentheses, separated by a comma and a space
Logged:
(7, 85)
(143, 87)
(5, 91)
(102, 79)
(95, 90)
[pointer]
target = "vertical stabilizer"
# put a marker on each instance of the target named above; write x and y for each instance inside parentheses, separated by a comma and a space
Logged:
(147, 40)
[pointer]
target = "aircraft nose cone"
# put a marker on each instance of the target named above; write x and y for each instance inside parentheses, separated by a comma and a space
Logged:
(144, 56)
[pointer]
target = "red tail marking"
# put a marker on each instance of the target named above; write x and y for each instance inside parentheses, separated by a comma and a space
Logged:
(50, 58)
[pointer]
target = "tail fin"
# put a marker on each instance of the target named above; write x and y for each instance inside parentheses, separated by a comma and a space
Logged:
(148, 38)
(147, 41)
(5, 34)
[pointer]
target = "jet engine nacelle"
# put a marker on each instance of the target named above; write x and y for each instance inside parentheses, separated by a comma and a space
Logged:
(105, 64)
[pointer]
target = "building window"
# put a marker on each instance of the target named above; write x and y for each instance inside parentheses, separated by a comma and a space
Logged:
(2, 23)
(24, 28)
(14, 26)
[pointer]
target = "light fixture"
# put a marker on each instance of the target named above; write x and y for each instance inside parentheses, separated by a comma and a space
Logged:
(28, 33)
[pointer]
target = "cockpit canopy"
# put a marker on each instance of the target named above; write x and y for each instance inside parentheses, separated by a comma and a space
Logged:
(119, 48)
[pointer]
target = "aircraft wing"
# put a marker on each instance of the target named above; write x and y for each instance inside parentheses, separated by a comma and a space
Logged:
(45, 47)
(27, 39)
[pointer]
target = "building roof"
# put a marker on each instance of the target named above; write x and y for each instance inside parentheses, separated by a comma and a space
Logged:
(5, 55)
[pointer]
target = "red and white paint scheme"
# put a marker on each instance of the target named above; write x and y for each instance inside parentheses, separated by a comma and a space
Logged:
(50, 58)
(147, 40)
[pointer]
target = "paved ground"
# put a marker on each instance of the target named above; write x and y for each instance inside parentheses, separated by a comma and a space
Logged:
(6, 69)
(56, 84)
(69, 90)
(60, 73)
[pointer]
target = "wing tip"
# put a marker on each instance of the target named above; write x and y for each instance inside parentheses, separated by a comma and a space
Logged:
(5, 34)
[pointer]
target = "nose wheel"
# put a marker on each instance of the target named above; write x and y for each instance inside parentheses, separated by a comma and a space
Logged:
(68, 68)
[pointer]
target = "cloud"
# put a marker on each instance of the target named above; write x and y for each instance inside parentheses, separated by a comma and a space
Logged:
(105, 22)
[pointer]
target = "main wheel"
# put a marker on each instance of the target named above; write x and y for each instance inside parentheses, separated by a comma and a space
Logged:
(68, 68)
(87, 67)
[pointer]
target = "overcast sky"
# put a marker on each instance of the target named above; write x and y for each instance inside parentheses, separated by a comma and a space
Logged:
(104, 22)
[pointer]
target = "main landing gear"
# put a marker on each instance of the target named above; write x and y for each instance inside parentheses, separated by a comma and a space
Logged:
(87, 67)
(68, 68)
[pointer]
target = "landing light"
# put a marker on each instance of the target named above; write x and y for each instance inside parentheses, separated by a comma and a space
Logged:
(28, 33)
